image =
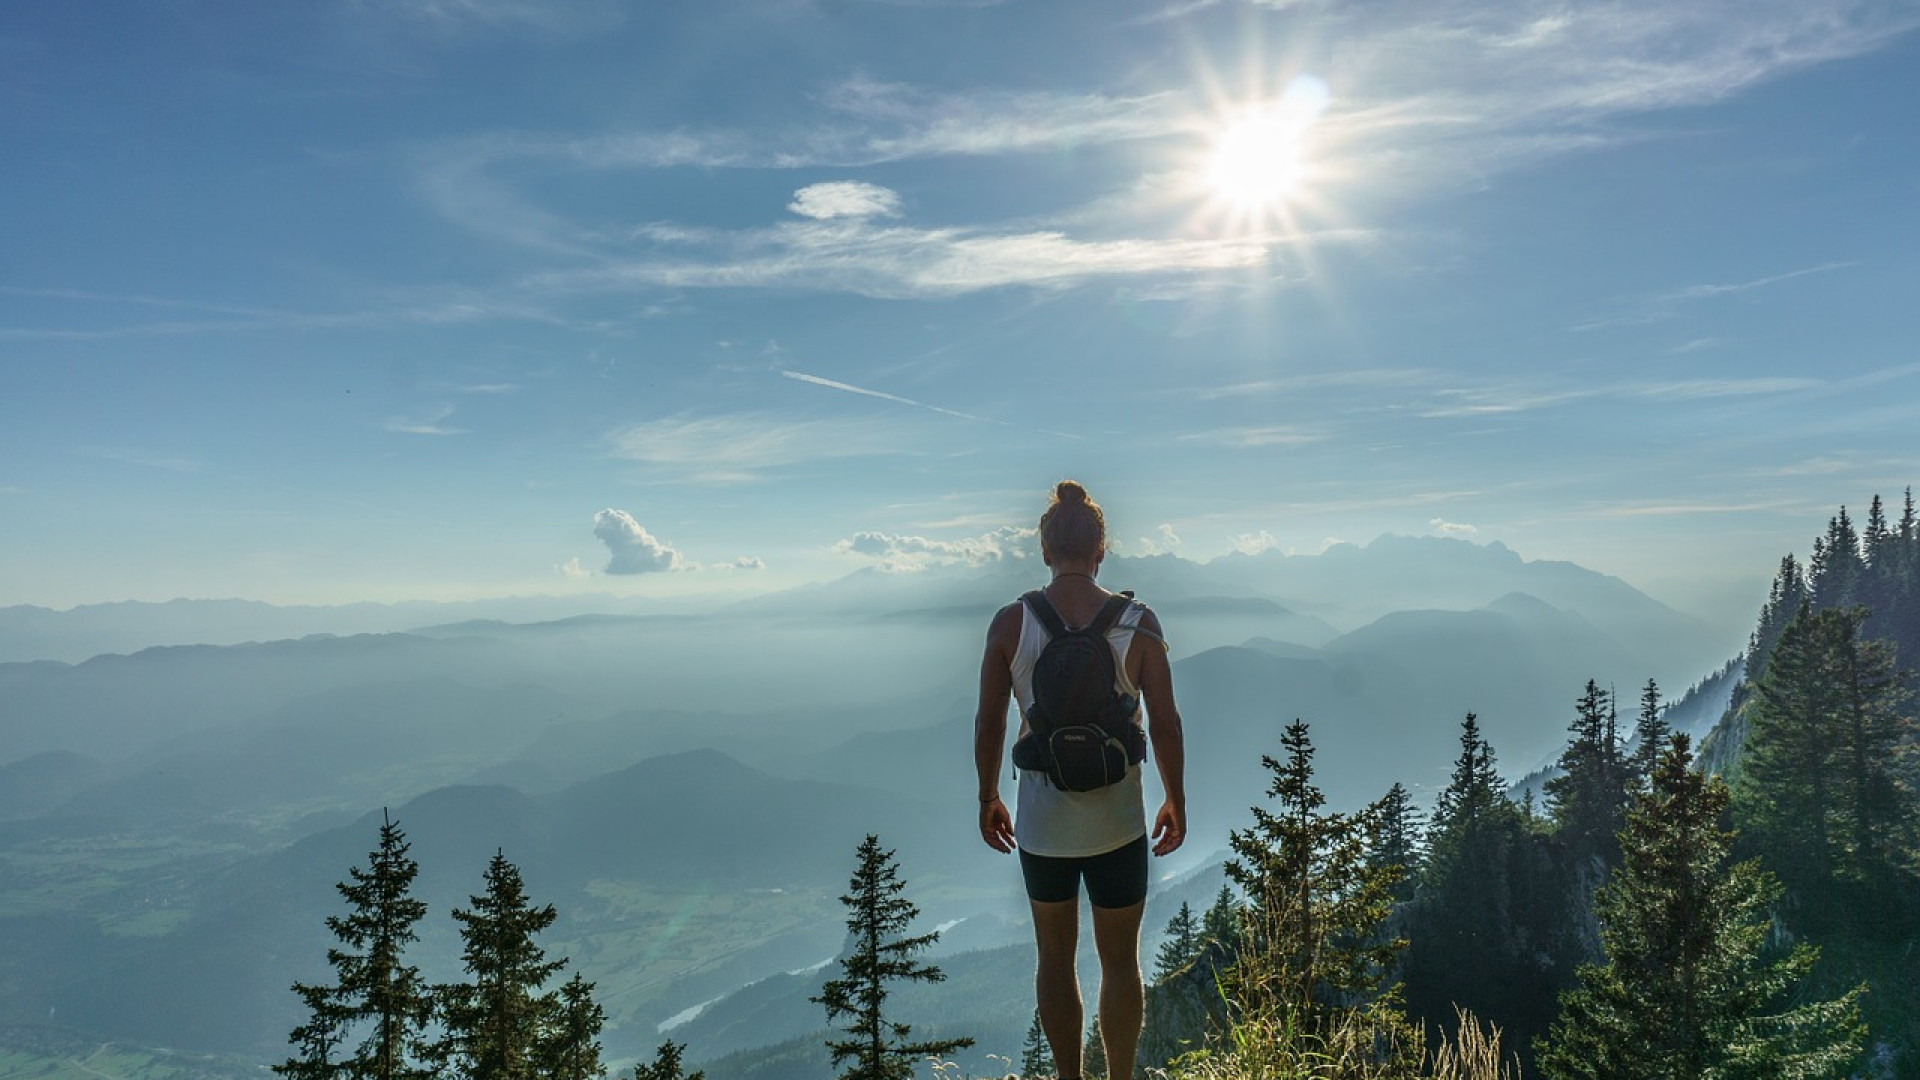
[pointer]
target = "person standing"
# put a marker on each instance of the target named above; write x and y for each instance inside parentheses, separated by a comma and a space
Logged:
(1098, 836)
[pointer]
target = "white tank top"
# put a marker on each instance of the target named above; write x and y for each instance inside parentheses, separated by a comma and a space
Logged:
(1076, 824)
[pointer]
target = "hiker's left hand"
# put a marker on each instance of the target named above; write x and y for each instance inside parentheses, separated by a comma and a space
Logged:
(1169, 829)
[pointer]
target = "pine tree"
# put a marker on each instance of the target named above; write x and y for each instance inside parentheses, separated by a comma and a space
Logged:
(1687, 989)
(1472, 927)
(666, 1065)
(1816, 786)
(1182, 943)
(1398, 842)
(878, 916)
(1588, 799)
(1650, 734)
(571, 1048)
(1316, 907)
(1221, 923)
(1094, 1058)
(1784, 600)
(1036, 1057)
(496, 1024)
(372, 987)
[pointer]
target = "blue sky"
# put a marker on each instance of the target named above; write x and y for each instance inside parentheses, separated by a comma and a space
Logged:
(353, 300)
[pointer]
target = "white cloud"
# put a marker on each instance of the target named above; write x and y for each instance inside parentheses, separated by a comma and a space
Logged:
(744, 562)
(738, 446)
(899, 262)
(1252, 438)
(906, 554)
(1164, 541)
(572, 569)
(1452, 528)
(1254, 543)
(631, 549)
(844, 199)
(428, 423)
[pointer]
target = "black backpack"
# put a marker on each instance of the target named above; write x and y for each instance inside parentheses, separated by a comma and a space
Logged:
(1081, 729)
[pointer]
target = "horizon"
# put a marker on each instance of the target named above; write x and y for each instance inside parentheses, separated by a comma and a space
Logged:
(443, 302)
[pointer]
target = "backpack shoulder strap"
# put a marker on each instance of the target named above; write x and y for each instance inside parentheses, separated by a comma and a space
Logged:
(1043, 610)
(1110, 613)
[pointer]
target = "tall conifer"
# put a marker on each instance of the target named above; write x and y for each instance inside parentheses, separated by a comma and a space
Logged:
(496, 1024)
(1588, 799)
(1650, 734)
(1181, 944)
(1687, 989)
(877, 919)
(1036, 1057)
(374, 991)
(1315, 906)
(1816, 785)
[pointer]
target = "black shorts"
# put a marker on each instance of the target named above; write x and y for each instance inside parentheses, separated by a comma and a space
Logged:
(1116, 879)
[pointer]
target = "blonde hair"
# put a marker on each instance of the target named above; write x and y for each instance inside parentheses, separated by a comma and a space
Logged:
(1073, 526)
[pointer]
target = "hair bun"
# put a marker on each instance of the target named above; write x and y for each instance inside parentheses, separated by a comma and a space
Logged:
(1068, 491)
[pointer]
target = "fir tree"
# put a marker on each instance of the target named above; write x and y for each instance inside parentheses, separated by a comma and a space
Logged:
(1398, 840)
(1650, 734)
(1472, 928)
(1036, 1057)
(1816, 785)
(1221, 923)
(1588, 799)
(1094, 1060)
(666, 1065)
(1687, 989)
(1182, 943)
(1784, 600)
(496, 1024)
(571, 1049)
(373, 988)
(1315, 906)
(878, 916)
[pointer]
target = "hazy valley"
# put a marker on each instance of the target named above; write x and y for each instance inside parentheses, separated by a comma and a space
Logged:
(687, 786)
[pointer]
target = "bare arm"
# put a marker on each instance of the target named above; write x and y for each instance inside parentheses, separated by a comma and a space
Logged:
(990, 726)
(1154, 677)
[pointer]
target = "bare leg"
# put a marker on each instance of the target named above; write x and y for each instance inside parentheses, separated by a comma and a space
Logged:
(1116, 934)
(1056, 985)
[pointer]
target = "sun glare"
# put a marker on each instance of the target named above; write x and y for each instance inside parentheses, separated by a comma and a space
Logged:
(1256, 160)
(1261, 160)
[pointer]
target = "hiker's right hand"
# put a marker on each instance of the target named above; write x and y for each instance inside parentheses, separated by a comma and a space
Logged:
(996, 826)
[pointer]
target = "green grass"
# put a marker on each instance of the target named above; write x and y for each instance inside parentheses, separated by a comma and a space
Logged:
(50, 1054)
(646, 938)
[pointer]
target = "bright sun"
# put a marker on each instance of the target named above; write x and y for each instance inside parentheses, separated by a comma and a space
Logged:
(1257, 160)
(1261, 160)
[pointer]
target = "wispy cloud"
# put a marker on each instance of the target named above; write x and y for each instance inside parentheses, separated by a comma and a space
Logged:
(897, 262)
(1452, 528)
(1698, 292)
(427, 423)
(1369, 378)
(740, 446)
(834, 384)
(1251, 438)
(1519, 398)
(1667, 305)
(148, 459)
